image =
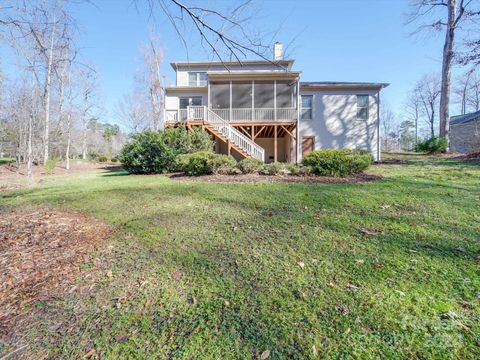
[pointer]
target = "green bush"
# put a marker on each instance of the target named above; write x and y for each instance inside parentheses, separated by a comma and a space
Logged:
(156, 152)
(298, 170)
(338, 163)
(249, 166)
(113, 160)
(433, 145)
(50, 166)
(102, 158)
(205, 162)
(272, 168)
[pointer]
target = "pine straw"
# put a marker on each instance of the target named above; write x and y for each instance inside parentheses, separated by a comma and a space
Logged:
(41, 252)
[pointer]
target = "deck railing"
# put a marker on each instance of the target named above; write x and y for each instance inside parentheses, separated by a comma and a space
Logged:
(235, 115)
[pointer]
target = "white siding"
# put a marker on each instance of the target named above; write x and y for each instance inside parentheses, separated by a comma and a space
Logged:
(335, 125)
(172, 101)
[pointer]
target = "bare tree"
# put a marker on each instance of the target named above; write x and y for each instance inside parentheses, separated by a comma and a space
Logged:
(89, 86)
(388, 123)
(153, 57)
(427, 92)
(412, 110)
(222, 30)
(448, 16)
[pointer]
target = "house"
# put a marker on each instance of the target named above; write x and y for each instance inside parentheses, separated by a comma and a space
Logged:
(262, 109)
(465, 133)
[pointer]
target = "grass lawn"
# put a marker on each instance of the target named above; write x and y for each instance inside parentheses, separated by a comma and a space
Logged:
(386, 269)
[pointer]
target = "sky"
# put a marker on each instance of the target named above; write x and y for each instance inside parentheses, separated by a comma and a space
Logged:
(330, 40)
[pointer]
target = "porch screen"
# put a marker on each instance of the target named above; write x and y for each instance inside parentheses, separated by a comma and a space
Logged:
(241, 94)
(286, 94)
(220, 95)
(264, 94)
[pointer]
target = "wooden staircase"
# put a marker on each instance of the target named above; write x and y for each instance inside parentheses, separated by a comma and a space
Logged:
(223, 130)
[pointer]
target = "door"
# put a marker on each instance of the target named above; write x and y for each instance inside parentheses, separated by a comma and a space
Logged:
(308, 144)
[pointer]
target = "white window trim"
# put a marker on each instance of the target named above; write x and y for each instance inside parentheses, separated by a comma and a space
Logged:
(368, 107)
(197, 76)
(313, 107)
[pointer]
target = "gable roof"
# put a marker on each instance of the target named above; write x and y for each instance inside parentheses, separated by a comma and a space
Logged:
(462, 119)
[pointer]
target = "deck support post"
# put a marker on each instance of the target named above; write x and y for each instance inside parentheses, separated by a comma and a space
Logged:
(229, 148)
(275, 144)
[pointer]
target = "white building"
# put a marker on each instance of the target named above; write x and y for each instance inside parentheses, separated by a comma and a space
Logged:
(261, 109)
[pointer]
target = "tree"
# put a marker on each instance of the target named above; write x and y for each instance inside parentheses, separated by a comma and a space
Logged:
(427, 92)
(413, 109)
(388, 122)
(448, 16)
(406, 134)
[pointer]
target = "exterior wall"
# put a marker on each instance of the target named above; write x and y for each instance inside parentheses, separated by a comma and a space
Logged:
(334, 124)
(172, 101)
(465, 138)
(182, 72)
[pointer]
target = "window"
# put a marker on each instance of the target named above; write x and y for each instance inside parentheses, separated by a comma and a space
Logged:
(307, 107)
(362, 107)
(192, 101)
(197, 79)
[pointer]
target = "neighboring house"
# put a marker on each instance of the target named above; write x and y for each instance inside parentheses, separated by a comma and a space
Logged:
(465, 133)
(261, 109)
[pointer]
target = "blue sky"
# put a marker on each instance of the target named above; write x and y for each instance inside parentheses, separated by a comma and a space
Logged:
(335, 40)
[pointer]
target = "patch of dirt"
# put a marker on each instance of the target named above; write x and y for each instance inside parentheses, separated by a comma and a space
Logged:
(12, 171)
(253, 178)
(41, 253)
(392, 161)
(472, 156)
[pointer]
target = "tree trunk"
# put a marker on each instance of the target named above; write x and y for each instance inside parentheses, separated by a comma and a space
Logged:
(84, 137)
(30, 135)
(48, 80)
(447, 70)
(69, 139)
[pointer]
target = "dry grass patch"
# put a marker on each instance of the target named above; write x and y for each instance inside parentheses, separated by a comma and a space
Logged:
(41, 253)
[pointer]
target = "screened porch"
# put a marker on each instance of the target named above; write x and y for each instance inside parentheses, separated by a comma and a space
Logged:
(254, 100)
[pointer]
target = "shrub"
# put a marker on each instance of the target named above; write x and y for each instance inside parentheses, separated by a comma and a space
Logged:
(298, 170)
(249, 166)
(204, 162)
(102, 158)
(50, 166)
(156, 152)
(433, 145)
(114, 160)
(272, 168)
(338, 163)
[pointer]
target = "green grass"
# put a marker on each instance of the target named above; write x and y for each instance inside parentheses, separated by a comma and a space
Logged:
(391, 267)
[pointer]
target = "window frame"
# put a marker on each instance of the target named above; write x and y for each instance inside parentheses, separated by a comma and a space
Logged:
(309, 108)
(198, 78)
(367, 107)
(190, 101)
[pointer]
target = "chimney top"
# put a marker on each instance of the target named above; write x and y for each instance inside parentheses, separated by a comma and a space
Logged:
(278, 51)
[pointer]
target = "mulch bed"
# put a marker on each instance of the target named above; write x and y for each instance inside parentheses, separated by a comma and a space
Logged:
(41, 252)
(472, 156)
(253, 178)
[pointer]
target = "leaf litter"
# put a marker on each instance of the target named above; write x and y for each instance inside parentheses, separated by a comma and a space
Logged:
(41, 256)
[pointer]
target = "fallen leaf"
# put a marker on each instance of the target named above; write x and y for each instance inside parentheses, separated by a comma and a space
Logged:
(227, 303)
(360, 261)
(121, 338)
(269, 213)
(265, 355)
(176, 275)
(301, 264)
(365, 231)
(377, 266)
(109, 274)
(331, 285)
(90, 353)
(400, 292)
(314, 351)
(147, 303)
(317, 216)
(343, 310)
(352, 287)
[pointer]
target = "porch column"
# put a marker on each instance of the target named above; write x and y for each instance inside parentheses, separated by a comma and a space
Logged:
(230, 100)
(253, 100)
(275, 144)
(275, 102)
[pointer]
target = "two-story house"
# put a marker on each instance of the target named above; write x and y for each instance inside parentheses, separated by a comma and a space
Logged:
(261, 109)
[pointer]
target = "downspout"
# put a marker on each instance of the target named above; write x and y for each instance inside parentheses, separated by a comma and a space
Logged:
(297, 140)
(378, 126)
